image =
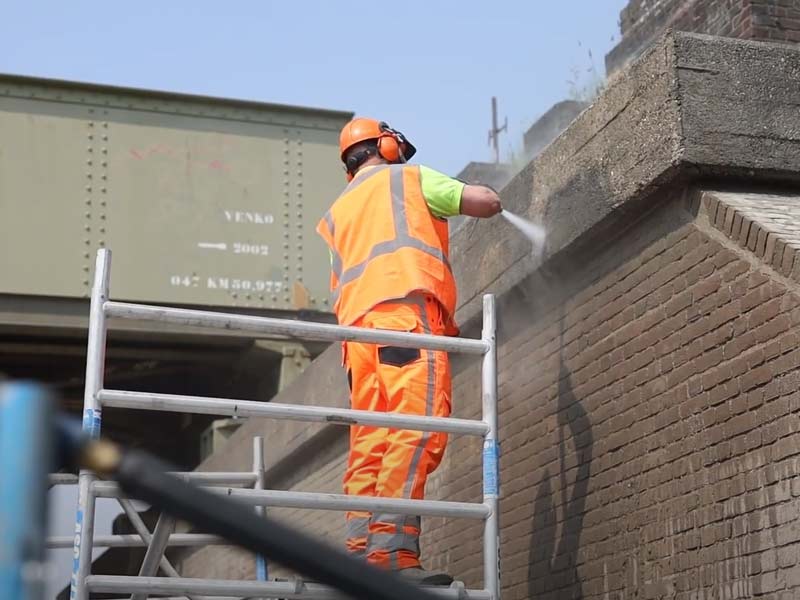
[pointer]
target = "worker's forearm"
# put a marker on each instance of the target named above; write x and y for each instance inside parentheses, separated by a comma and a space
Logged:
(479, 201)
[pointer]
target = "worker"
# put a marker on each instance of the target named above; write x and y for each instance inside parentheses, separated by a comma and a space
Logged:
(388, 237)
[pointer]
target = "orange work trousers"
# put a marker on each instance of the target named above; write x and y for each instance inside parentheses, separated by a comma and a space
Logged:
(387, 462)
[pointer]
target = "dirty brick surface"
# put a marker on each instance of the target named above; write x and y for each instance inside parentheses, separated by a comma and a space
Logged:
(649, 424)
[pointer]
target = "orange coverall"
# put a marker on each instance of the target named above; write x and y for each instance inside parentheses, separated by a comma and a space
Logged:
(390, 271)
(395, 463)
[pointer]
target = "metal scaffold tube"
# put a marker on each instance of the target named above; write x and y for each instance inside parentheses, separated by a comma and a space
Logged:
(61, 479)
(130, 540)
(339, 502)
(289, 328)
(491, 452)
(260, 484)
(95, 364)
(201, 478)
(224, 587)
(275, 410)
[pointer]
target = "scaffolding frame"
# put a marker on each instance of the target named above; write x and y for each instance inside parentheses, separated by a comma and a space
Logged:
(96, 397)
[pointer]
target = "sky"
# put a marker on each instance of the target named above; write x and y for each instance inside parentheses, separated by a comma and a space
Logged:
(428, 68)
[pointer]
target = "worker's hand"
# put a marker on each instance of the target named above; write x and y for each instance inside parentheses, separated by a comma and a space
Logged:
(480, 201)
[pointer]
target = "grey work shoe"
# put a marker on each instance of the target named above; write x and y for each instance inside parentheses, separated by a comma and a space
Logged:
(420, 576)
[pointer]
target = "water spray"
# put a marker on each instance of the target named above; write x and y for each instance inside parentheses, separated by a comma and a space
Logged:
(534, 232)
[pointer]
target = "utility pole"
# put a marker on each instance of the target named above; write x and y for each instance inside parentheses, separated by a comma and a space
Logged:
(494, 132)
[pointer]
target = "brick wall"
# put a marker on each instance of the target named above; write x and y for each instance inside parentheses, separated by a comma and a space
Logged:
(643, 21)
(648, 422)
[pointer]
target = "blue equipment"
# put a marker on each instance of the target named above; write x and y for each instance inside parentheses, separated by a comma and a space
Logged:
(26, 458)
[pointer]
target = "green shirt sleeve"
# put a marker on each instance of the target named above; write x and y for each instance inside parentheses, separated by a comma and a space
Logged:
(442, 193)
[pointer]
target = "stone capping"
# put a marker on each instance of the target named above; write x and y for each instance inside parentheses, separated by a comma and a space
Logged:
(691, 107)
(768, 225)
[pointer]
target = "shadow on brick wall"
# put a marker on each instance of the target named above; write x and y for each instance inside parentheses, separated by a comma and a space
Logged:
(553, 564)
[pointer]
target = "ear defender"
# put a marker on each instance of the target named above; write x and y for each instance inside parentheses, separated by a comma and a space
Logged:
(393, 145)
(389, 143)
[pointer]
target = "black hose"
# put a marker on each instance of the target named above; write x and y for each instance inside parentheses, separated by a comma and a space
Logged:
(144, 477)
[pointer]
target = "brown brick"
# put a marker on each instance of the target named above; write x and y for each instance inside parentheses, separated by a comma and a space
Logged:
(755, 378)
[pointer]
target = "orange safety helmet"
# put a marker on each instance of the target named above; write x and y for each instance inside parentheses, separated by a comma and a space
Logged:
(392, 145)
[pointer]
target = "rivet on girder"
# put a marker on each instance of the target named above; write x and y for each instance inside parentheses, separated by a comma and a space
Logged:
(89, 149)
(103, 190)
(87, 202)
(285, 244)
(90, 123)
(90, 136)
(87, 228)
(103, 164)
(102, 230)
(86, 268)
(274, 298)
(102, 242)
(87, 242)
(88, 161)
(105, 137)
(286, 234)
(88, 215)
(88, 188)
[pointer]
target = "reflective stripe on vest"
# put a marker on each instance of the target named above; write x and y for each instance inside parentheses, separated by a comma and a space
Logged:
(402, 237)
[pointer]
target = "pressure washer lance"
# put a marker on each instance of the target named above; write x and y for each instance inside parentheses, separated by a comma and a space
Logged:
(146, 478)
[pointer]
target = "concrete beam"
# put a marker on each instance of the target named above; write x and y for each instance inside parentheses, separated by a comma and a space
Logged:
(693, 106)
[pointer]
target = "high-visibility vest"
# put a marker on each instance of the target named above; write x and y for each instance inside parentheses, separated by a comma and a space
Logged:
(386, 244)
